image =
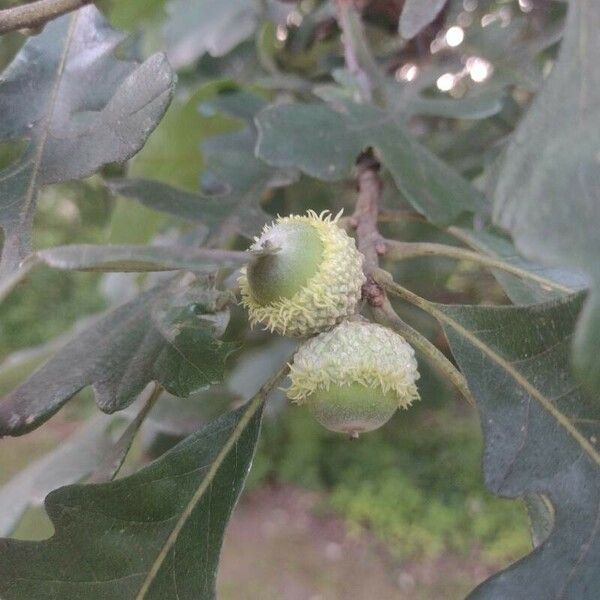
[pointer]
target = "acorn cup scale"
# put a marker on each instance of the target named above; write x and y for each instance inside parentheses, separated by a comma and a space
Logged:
(306, 275)
(354, 377)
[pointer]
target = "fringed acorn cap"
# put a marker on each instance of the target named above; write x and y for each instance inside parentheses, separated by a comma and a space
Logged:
(310, 281)
(354, 377)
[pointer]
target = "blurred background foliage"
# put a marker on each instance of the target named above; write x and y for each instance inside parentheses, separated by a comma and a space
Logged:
(416, 484)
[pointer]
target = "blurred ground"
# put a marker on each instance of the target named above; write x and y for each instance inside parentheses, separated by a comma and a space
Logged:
(281, 546)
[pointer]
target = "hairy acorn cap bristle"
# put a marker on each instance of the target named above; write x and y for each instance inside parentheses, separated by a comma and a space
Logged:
(355, 352)
(327, 276)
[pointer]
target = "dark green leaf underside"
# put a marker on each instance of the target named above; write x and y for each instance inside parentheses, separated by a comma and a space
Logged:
(110, 538)
(530, 449)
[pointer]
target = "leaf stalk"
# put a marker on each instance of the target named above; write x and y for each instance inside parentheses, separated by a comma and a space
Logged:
(397, 250)
(36, 14)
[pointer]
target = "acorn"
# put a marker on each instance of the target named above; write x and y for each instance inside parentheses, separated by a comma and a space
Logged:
(306, 275)
(354, 377)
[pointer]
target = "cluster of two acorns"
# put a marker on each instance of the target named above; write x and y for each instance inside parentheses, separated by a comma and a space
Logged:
(306, 279)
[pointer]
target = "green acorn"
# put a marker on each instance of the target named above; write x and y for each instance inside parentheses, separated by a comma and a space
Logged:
(354, 377)
(312, 281)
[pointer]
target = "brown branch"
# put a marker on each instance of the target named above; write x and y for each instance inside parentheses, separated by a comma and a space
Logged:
(373, 245)
(364, 220)
(36, 14)
(366, 211)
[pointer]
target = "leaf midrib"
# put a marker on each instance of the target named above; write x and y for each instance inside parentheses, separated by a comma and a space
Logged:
(253, 406)
(38, 156)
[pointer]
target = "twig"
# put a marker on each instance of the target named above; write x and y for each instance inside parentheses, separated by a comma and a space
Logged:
(372, 245)
(397, 250)
(36, 14)
(386, 281)
(10, 281)
(366, 211)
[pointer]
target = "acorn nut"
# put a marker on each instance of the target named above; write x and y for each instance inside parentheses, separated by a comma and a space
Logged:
(310, 281)
(354, 377)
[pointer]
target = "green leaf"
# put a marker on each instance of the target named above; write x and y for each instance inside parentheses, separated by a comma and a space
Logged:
(113, 459)
(182, 416)
(547, 194)
(15, 367)
(541, 435)
(79, 108)
(206, 209)
(166, 334)
(232, 170)
(154, 535)
(541, 516)
(72, 461)
(324, 142)
(122, 259)
(196, 27)
(417, 14)
(475, 106)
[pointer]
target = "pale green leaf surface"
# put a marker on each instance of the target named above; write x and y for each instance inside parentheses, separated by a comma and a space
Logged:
(541, 517)
(202, 208)
(196, 27)
(78, 107)
(479, 106)
(324, 141)
(122, 259)
(547, 193)
(519, 290)
(417, 14)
